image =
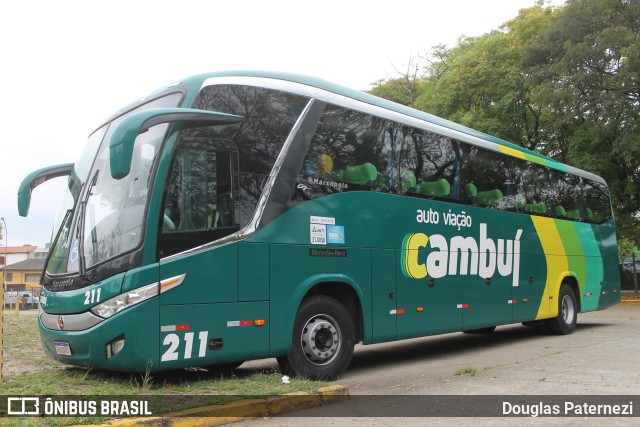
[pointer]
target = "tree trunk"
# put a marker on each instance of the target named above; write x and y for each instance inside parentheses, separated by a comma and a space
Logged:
(633, 269)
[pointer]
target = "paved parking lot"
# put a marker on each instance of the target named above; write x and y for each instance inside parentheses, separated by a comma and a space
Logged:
(600, 358)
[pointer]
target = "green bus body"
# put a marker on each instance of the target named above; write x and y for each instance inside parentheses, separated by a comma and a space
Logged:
(225, 237)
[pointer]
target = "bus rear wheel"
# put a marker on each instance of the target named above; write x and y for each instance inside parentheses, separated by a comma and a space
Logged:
(323, 340)
(565, 322)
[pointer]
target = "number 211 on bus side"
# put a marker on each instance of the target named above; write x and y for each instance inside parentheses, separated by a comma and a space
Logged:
(243, 215)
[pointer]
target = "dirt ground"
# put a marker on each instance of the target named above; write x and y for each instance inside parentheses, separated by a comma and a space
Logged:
(21, 351)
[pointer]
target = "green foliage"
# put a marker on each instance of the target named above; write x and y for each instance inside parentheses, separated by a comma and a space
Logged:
(483, 85)
(469, 370)
(589, 65)
(563, 81)
(394, 90)
(626, 247)
(403, 89)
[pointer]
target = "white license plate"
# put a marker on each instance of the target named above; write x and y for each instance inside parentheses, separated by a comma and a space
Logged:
(62, 348)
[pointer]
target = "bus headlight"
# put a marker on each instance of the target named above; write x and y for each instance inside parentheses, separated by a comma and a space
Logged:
(126, 300)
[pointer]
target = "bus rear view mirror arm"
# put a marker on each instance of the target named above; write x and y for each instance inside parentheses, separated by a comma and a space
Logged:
(124, 135)
(36, 178)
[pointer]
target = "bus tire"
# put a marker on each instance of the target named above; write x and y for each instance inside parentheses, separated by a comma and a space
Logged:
(565, 322)
(323, 340)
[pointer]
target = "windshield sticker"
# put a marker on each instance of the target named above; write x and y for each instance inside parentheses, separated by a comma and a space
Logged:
(323, 220)
(335, 234)
(318, 234)
(73, 256)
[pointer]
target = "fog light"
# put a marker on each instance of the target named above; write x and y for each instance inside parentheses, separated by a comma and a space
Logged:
(115, 346)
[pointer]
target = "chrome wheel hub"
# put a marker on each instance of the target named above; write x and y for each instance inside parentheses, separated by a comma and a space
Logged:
(321, 339)
(568, 310)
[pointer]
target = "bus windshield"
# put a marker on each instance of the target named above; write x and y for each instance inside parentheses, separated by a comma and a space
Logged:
(61, 240)
(102, 217)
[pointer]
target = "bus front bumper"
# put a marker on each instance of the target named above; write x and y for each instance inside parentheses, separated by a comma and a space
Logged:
(126, 342)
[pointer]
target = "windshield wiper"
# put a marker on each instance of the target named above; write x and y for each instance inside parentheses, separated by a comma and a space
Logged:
(82, 265)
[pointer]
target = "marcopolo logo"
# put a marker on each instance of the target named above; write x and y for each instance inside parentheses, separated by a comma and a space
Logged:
(460, 256)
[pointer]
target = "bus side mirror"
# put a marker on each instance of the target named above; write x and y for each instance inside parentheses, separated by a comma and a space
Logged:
(36, 178)
(125, 134)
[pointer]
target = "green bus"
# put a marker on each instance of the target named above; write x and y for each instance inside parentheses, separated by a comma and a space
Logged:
(244, 215)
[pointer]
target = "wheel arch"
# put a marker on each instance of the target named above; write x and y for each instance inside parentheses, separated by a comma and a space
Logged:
(338, 286)
(347, 296)
(572, 281)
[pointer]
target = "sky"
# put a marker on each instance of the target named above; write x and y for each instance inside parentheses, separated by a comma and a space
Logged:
(68, 65)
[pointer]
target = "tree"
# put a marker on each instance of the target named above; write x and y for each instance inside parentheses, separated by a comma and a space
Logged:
(626, 248)
(562, 81)
(587, 63)
(403, 89)
(481, 82)
(628, 242)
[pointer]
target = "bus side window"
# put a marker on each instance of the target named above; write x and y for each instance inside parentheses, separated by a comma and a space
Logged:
(534, 193)
(428, 163)
(566, 193)
(198, 203)
(597, 206)
(487, 174)
(348, 152)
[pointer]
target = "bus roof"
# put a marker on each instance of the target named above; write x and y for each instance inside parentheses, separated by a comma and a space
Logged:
(507, 147)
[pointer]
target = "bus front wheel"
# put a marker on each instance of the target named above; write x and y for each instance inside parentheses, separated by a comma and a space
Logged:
(565, 322)
(323, 340)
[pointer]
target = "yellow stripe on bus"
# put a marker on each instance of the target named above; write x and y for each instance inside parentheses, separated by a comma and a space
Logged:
(557, 264)
(511, 151)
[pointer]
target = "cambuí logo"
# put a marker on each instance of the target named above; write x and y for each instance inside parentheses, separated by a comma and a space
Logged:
(460, 256)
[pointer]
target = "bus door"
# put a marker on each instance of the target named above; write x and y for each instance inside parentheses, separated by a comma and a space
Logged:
(203, 320)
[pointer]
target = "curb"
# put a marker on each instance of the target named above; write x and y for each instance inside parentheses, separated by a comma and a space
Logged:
(216, 415)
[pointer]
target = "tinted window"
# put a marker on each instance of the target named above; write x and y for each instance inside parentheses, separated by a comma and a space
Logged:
(534, 194)
(349, 151)
(489, 180)
(429, 164)
(596, 201)
(268, 115)
(566, 194)
(199, 195)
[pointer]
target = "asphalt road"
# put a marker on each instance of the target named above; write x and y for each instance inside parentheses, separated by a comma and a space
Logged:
(600, 358)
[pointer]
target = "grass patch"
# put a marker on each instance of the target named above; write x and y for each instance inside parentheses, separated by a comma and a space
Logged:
(27, 371)
(466, 371)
